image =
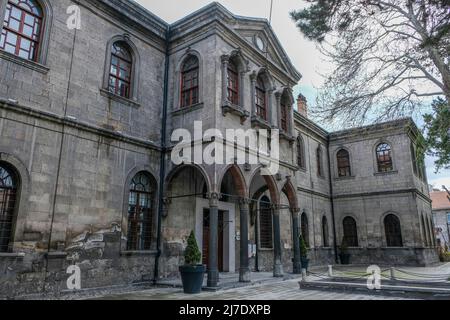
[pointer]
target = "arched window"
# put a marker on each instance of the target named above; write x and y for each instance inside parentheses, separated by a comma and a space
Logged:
(343, 161)
(325, 234)
(260, 99)
(8, 196)
(384, 158)
(265, 222)
(350, 232)
(301, 153)
(120, 71)
(319, 158)
(305, 228)
(233, 83)
(22, 27)
(190, 82)
(393, 231)
(140, 213)
(284, 110)
(414, 159)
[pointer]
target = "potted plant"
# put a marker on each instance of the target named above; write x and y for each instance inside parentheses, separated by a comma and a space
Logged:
(344, 254)
(193, 272)
(304, 253)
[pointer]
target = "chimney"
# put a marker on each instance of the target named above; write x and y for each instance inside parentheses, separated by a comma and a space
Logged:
(302, 105)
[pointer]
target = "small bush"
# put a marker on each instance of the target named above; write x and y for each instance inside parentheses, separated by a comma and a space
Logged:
(303, 248)
(192, 255)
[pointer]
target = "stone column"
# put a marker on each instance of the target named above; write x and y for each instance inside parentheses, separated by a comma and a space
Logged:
(213, 270)
(244, 270)
(277, 265)
(296, 234)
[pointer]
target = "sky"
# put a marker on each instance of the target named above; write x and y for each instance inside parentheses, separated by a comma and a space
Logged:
(303, 53)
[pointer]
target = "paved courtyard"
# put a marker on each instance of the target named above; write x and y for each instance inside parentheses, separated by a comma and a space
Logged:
(282, 290)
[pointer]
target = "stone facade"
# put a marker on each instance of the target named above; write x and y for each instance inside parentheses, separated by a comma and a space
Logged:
(75, 149)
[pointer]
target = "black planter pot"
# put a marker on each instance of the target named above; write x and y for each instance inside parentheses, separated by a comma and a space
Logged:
(345, 258)
(305, 263)
(192, 277)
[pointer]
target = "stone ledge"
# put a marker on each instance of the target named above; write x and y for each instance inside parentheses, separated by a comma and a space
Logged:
(126, 101)
(185, 110)
(12, 255)
(24, 63)
(138, 253)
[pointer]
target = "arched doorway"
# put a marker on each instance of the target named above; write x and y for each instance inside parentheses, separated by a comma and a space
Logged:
(233, 190)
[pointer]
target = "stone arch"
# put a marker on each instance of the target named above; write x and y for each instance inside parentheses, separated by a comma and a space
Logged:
(291, 194)
(270, 182)
(265, 75)
(179, 168)
(23, 191)
(238, 179)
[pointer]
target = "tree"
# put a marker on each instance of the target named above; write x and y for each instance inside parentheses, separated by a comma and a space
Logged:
(437, 126)
(192, 255)
(390, 56)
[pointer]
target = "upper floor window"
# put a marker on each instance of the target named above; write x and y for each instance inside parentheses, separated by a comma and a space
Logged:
(120, 70)
(233, 83)
(140, 213)
(284, 112)
(8, 196)
(300, 153)
(414, 159)
(384, 158)
(22, 27)
(260, 99)
(343, 161)
(190, 82)
(319, 158)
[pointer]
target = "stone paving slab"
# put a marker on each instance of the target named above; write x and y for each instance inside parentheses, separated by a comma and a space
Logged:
(282, 290)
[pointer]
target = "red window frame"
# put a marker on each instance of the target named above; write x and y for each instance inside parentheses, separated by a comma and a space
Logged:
(190, 83)
(284, 117)
(343, 160)
(119, 84)
(34, 40)
(261, 100)
(384, 158)
(233, 84)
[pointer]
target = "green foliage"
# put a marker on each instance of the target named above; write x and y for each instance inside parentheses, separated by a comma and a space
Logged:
(192, 255)
(437, 126)
(314, 21)
(303, 248)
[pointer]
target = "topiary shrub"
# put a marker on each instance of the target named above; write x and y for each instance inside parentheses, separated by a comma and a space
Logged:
(303, 248)
(192, 255)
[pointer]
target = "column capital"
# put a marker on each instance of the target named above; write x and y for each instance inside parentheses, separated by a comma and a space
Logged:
(253, 76)
(214, 199)
(225, 59)
(278, 95)
(244, 201)
(295, 210)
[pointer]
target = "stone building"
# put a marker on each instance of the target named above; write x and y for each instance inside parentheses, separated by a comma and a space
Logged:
(441, 216)
(86, 177)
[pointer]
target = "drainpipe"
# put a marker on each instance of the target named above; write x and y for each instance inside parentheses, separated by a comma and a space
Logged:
(332, 203)
(162, 171)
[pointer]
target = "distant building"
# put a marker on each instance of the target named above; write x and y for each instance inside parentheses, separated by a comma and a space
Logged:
(441, 216)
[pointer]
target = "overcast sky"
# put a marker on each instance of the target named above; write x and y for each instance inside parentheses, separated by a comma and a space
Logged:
(303, 54)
